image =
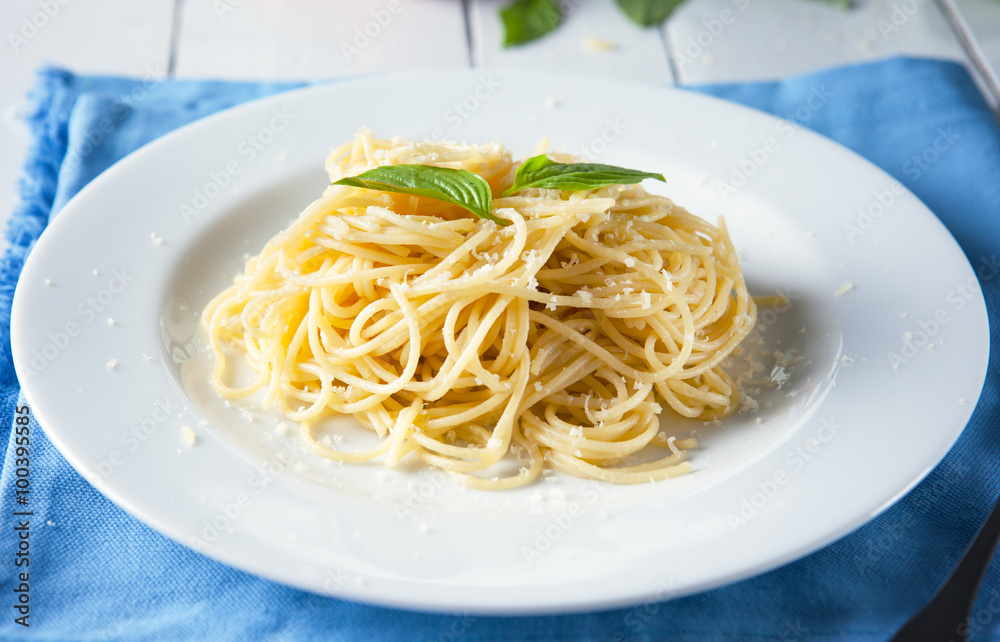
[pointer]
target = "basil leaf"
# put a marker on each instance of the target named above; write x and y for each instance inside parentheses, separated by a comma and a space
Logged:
(527, 20)
(541, 172)
(455, 186)
(648, 12)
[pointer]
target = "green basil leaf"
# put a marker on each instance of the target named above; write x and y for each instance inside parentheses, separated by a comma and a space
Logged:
(540, 172)
(527, 20)
(455, 186)
(648, 12)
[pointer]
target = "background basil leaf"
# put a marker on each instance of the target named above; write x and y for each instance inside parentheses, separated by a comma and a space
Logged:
(541, 172)
(648, 12)
(526, 20)
(455, 186)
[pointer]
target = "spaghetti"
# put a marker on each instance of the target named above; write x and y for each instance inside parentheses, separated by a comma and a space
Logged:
(554, 341)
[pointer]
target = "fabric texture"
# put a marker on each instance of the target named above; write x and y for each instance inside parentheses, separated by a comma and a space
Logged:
(97, 573)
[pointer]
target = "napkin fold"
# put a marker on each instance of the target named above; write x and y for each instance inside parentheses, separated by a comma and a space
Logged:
(96, 573)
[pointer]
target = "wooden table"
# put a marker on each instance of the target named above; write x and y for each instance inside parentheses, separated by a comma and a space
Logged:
(704, 41)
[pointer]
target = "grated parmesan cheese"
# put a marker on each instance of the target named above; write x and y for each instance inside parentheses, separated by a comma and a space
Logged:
(598, 45)
(846, 287)
(748, 403)
(188, 436)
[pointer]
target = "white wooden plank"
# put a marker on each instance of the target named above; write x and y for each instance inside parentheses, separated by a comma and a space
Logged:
(978, 21)
(635, 52)
(736, 40)
(313, 39)
(97, 36)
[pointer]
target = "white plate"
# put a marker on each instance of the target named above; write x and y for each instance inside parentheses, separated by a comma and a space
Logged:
(845, 437)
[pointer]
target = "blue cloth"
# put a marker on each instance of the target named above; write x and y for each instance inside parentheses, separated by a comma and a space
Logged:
(97, 573)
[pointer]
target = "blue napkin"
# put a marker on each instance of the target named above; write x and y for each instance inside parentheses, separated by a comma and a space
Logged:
(96, 573)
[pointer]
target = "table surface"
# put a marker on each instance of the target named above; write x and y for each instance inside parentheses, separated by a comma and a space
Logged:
(703, 41)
